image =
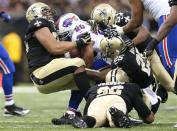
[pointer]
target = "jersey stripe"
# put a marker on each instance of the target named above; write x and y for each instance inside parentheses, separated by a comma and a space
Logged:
(165, 49)
(4, 67)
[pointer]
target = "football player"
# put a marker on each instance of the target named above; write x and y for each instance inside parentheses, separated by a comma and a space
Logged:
(70, 28)
(7, 69)
(143, 36)
(167, 26)
(129, 58)
(49, 70)
(167, 51)
(110, 103)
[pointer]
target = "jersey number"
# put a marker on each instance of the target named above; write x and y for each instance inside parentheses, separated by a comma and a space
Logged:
(114, 90)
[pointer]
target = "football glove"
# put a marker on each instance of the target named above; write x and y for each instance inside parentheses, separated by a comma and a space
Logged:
(111, 32)
(93, 24)
(6, 17)
(82, 41)
(127, 41)
(150, 47)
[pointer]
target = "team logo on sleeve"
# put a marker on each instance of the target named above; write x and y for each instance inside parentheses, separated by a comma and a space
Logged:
(38, 23)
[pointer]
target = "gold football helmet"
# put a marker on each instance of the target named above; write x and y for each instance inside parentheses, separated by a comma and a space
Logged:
(112, 46)
(39, 10)
(117, 75)
(103, 13)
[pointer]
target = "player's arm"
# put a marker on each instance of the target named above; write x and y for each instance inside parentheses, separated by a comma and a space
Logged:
(142, 35)
(137, 16)
(164, 29)
(168, 25)
(88, 55)
(143, 111)
(46, 38)
(97, 75)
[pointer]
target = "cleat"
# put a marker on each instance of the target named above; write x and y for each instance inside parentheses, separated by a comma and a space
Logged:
(119, 118)
(79, 123)
(14, 110)
(66, 119)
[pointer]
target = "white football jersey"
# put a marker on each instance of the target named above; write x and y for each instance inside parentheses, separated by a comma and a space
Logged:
(83, 27)
(156, 8)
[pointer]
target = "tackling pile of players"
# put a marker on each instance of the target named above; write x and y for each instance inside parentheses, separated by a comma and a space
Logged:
(98, 63)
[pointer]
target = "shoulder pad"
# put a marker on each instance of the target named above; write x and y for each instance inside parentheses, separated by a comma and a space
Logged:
(37, 24)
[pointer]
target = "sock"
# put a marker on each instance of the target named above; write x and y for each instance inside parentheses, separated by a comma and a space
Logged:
(7, 85)
(82, 82)
(75, 100)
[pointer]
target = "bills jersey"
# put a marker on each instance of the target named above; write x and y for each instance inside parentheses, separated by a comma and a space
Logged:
(130, 92)
(156, 8)
(37, 55)
(137, 69)
(83, 27)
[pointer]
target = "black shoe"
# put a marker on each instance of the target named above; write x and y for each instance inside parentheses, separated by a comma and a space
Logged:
(79, 123)
(119, 118)
(66, 119)
(162, 92)
(14, 110)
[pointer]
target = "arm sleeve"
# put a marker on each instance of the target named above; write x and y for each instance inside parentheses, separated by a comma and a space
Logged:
(141, 108)
(37, 24)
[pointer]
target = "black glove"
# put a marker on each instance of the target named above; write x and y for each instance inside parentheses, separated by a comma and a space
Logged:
(111, 32)
(6, 17)
(82, 41)
(93, 24)
(150, 47)
(128, 42)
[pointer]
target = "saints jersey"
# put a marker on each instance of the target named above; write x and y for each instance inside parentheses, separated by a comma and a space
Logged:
(130, 93)
(37, 55)
(172, 2)
(137, 69)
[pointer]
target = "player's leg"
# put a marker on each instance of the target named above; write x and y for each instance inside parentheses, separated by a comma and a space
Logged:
(116, 112)
(8, 69)
(72, 112)
(76, 97)
(61, 74)
(161, 73)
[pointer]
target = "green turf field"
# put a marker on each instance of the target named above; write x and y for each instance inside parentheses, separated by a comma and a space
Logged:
(45, 107)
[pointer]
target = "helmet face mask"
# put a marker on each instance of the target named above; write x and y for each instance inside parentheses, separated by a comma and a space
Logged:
(39, 10)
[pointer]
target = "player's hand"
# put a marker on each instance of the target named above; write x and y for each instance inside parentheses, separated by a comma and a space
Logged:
(83, 40)
(6, 17)
(127, 41)
(150, 47)
(93, 24)
(111, 32)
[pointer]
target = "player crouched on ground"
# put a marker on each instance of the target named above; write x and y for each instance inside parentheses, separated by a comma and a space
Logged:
(110, 103)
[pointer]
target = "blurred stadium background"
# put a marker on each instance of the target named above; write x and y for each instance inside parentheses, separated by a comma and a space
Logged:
(43, 107)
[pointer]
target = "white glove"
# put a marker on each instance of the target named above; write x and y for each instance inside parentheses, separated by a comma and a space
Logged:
(118, 29)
